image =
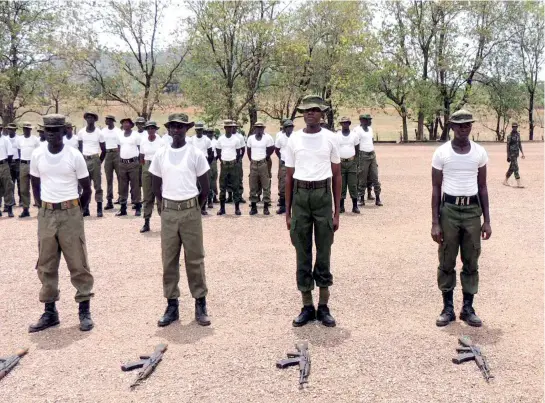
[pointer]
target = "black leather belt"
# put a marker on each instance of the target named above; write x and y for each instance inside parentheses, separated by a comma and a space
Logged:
(3, 162)
(312, 184)
(460, 200)
(347, 159)
(179, 205)
(228, 163)
(367, 152)
(263, 161)
(65, 205)
(90, 157)
(112, 150)
(25, 162)
(129, 161)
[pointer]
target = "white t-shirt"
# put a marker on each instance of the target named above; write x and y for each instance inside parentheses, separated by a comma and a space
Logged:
(111, 137)
(202, 143)
(167, 138)
(241, 138)
(347, 144)
(58, 173)
(312, 154)
(281, 142)
(91, 141)
(149, 148)
(14, 147)
(27, 145)
(72, 141)
(366, 138)
(459, 170)
(179, 168)
(214, 142)
(5, 148)
(128, 145)
(229, 146)
(259, 147)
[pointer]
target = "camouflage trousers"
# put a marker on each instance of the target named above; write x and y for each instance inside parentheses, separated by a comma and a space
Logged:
(461, 226)
(94, 166)
(312, 217)
(367, 172)
(513, 168)
(62, 231)
(260, 181)
(349, 174)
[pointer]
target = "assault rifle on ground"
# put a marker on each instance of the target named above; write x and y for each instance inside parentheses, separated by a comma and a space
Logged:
(471, 352)
(146, 364)
(301, 358)
(8, 363)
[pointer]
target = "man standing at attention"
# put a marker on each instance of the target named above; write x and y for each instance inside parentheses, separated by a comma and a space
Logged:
(111, 162)
(14, 164)
(6, 183)
(459, 171)
(213, 194)
(280, 143)
(69, 139)
(514, 145)
(230, 151)
(260, 148)
(349, 147)
(56, 171)
(204, 144)
(93, 148)
(313, 172)
(26, 144)
(368, 168)
(129, 167)
(176, 169)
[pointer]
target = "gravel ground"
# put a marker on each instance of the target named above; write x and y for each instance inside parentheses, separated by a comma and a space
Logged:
(385, 346)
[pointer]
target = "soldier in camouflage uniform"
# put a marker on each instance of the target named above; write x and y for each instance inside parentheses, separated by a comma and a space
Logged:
(513, 147)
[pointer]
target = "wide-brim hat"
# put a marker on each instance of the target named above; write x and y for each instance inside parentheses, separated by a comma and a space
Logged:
(110, 117)
(514, 124)
(179, 118)
(39, 128)
(90, 113)
(229, 123)
(54, 120)
(259, 123)
(287, 123)
(344, 119)
(461, 116)
(199, 125)
(126, 120)
(68, 123)
(140, 119)
(311, 102)
(11, 126)
(366, 116)
(27, 125)
(151, 123)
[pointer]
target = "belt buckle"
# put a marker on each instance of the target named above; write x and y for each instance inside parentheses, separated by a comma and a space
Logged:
(311, 185)
(65, 205)
(179, 206)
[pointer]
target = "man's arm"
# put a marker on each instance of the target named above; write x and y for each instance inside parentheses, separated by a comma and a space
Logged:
(210, 155)
(520, 147)
(242, 151)
(277, 152)
(80, 146)
(156, 185)
(204, 182)
(249, 153)
(270, 151)
(486, 230)
(141, 159)
(102, 151)
(289, 192)
(85, 196)
(436, 183)
(336, 182)
(36, 184)
(357, 147)
(218, 152)
(240, 154)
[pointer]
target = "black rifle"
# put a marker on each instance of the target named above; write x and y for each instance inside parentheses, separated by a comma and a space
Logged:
(471, 352)
(301, 358)
(8, 363)
(147, 364)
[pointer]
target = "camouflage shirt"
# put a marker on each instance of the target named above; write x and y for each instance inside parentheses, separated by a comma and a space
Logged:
(513, 144)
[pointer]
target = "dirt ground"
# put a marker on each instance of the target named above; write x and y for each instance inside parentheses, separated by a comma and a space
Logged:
(385, 347)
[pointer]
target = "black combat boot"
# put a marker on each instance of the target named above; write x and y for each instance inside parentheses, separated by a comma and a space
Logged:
(146, 227)
(49, 318)
(201, 315)
(447, 314)
(109, 205)
(308, 313)
(237, 208)
(266, 209)
(203, 210)
(377, 201)
(138, 211)
(369, 194)
(253, 209)
(85, 321)
(342, 205)
(86, 212)
(123, 210)
(117, 201)
(99, 209)
(468, 314)
(362, 200)
(5, 209)
(355, 208)
(210, 204)
(229, 197)
(10, 211)
(134, 206)
(324, 316)
(215, 199)
(25, 213)
(221, 211)
(171, 313)
(282, 206)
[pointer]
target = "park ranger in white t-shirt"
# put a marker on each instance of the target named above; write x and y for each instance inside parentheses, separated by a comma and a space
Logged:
(202, 143)
(6, 183)
(149, 145)
(367, 162)
(213, 194)
(313, 173)
(459, 198)
(111, 135)
(280, 144)
(176, 169)
(55, 172)
(26, 144)
(349, 146)
(69, 139)
(129, 167)
(14, 164)
(260, 147)
(239, 164)
(93, 148)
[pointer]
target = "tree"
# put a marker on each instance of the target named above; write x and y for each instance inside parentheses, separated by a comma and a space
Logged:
(137, 73)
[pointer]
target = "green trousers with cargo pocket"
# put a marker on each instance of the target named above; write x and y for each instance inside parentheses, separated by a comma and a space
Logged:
(229, 179)
(461, 226)
(111, 165)
(24, 180)
(349, 174)
(312, 217)
(147, 190)
(129, 174)
(62, 231)
(94, 166)
(213, 178)
(260, 181)
(181, 225)
(282, 180)
(367, 172)
(6, 185)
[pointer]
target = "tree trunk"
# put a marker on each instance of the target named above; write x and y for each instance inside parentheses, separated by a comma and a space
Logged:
(531, 115)
(420, 128)
(56, 106)
(446, 126)
(436, 127)
(404, 121)
(252, 114)
(498, 134)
